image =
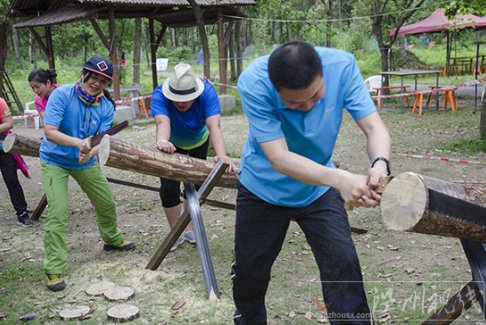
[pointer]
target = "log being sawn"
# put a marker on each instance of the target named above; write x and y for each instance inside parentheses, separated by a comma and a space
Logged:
(417, 203)
(141, 159)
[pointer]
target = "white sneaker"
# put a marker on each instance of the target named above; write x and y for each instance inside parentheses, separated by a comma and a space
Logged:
(189, 236)
(177, 243)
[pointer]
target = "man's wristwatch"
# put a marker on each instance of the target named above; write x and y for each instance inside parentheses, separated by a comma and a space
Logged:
(387, 162)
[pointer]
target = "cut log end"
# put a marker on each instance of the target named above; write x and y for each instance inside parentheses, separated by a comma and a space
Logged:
(119, 293)
(123, 313)
(9, 142)
(104, 152)
(404, 202)
(74, 312)
(100, 288)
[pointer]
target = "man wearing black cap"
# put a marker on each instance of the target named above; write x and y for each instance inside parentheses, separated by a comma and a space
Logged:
(74, 113)
(187, 113)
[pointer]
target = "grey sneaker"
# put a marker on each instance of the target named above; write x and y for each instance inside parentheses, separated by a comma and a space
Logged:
(189, 236)
(178, 242)
(23, 220)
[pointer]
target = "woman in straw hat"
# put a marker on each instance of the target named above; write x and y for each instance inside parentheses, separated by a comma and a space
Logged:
(188, 116)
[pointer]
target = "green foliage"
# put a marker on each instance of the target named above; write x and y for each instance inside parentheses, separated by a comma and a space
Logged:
(465, 7)
(471, 146)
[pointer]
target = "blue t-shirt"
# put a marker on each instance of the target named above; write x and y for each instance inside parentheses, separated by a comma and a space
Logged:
(310, 134)
(73, 117)
(188, 129)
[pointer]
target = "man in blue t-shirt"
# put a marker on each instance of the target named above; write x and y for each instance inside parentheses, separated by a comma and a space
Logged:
(187, 114)
(294, 101)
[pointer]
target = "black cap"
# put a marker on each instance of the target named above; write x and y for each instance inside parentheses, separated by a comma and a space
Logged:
(100, 65)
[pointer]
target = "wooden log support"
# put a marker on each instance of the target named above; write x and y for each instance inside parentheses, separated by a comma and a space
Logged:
(455, 306)
(214, 203)
(150, 161)
(417, 203)
(184, 219)
(40, 208)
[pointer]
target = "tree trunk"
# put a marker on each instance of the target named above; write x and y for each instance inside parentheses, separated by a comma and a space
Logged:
(174, 38)
(232, 56)
(239, 52)
(137, 47)
(202, 34)
(4, 27)
(330, 15)
(222, 55)
(15, 43)
(417, 203)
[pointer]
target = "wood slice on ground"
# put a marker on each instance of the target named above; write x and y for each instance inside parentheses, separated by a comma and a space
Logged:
(100, 288)
(74, 312)
(123, 313)
(119, 293)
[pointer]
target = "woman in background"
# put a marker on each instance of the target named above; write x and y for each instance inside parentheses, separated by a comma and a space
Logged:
(43, 83)
(8, 168)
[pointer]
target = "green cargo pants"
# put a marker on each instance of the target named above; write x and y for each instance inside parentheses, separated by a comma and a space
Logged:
(93, 182)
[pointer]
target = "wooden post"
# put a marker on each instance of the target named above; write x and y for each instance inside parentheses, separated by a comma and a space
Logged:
(422, 204)
(50, 48)
(153, 53)
(239, 52)
(455, 306)
(222, 54)
(113, 54)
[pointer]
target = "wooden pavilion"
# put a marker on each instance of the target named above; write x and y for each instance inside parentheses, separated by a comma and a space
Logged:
(169, 13)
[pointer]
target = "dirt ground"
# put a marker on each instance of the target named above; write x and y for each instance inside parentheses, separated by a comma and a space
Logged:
(407, 275)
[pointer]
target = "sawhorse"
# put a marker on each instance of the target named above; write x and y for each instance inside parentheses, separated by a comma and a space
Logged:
(471, 292)
(193, 212)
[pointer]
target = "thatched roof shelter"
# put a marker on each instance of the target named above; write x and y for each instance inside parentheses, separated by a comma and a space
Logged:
(170, 13)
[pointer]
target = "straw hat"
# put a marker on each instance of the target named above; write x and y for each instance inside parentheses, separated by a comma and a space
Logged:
(182, 85)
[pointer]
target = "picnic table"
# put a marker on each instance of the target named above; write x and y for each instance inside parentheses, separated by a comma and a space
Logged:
(415, 73)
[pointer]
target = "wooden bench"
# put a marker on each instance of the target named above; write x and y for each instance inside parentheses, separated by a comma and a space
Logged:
(449, 96)
(379, 92)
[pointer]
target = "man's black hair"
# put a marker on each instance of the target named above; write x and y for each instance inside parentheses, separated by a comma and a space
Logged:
(294, 65)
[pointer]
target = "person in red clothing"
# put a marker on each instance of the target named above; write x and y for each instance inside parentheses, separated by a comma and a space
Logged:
(8, 167)
(43, 83)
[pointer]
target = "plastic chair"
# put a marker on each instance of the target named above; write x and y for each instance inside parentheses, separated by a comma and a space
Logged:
(28, 111)
(374, 85)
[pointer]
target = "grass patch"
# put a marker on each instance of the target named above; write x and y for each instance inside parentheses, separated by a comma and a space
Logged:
(466, 145)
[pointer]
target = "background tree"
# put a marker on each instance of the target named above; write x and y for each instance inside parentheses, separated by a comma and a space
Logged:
(382, 22)
(479, 8)
(4, 32)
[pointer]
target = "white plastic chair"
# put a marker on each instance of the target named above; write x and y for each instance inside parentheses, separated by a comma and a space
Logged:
(374, 84)
(28, 111)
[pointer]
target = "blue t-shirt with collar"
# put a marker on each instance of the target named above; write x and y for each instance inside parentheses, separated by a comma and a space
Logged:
(310, 134)
(188, 129)
(73, 117)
